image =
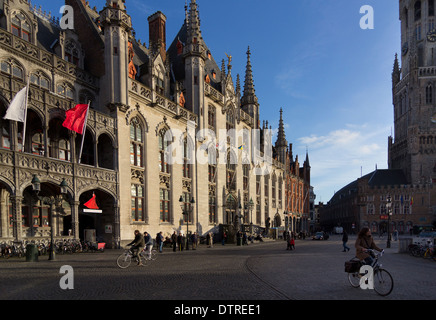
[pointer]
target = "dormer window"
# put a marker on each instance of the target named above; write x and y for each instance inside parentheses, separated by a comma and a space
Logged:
(20, 27)
(71, 53)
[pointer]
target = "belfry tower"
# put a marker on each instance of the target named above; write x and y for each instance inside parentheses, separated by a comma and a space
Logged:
(412, 147)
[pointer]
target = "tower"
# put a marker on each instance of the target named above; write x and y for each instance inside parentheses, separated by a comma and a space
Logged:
(194, 54)
(413, 147)
(116, 26)
(249, 101)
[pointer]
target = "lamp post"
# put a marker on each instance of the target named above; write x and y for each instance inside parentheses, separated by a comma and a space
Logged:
(186, 212)
(251, 206)
(389, 211)
(53, 202)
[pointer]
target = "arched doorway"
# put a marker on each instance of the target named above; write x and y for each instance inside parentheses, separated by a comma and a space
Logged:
(101, 220)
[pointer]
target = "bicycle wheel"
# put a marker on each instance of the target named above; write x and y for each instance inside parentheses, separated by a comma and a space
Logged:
(124, 260)
(383, 282)
(354, 279)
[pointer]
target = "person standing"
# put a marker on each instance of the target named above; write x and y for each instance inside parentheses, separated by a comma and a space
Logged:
(174, 241)
(224, 238)
(194, 240)
(160, 241)
(344, 241)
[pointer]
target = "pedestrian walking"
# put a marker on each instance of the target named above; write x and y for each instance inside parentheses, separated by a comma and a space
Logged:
(292, 243)
(174, 241)
(344, 241)
(224, 238)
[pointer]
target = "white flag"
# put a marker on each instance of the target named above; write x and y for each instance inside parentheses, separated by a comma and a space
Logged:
(17, 108)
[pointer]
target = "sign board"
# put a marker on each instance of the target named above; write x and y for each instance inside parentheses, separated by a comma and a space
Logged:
(108, 228)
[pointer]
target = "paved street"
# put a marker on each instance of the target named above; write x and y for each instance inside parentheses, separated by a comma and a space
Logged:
(262, 271)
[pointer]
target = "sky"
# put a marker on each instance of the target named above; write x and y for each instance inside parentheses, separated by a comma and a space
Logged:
(310, 57)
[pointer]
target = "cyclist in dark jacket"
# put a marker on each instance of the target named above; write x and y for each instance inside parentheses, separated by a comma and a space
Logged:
(137, 244)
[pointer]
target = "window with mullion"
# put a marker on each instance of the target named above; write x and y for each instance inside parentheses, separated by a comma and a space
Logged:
(164, 195)
(137, 203)
(136, 143)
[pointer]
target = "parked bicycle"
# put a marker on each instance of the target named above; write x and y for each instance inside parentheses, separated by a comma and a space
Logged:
(383, 281)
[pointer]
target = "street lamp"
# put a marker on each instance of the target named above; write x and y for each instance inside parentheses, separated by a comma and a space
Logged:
(53, 202)
(389, 210)
(186, 211)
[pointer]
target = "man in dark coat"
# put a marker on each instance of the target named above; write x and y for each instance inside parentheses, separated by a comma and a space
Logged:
(137, 244)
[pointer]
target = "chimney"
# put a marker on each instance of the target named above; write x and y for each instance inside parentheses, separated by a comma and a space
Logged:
(157, 31)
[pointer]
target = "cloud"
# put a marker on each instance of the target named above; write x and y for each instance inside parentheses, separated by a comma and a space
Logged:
(337, 158)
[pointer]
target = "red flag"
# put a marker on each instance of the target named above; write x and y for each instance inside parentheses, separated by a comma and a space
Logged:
(91, 204)
(76, 118)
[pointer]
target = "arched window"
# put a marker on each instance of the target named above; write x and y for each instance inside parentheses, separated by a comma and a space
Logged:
(136, 143)
(41, 80)
(65, 90)
(11, 67)
(38, 143)
(429, 94)
(4, 129)
(59, 145)
(417, 10)
(20, 27)
(163, 157)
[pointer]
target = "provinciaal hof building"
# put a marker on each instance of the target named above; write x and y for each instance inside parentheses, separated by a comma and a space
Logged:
(148, 102)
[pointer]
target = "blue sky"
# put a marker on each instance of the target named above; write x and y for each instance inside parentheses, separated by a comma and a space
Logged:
(311, 58)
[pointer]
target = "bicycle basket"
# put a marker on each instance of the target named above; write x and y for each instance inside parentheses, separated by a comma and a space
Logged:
(352, 266)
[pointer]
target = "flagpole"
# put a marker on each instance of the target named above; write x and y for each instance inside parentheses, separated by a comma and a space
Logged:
(25, 114)
(84, 131)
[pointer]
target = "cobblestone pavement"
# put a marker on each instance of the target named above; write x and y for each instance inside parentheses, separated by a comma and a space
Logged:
(263, 271)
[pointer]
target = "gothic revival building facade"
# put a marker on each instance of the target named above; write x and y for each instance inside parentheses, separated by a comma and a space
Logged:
(147, 103)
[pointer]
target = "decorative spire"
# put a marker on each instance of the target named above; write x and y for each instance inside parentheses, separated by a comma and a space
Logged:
(194, 23)
(249, 96)
(281, 143)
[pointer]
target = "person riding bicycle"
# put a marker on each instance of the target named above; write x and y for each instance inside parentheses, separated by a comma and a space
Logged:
(148, 243)
(363, 243)
(137, 244)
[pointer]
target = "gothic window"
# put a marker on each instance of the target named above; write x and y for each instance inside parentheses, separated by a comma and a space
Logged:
(11, 67)
(72, 52)
(65, 90)
(273, 189)
(212, 209)
(187, 167)
(40, 80)
(211, 117)
(41, 215)
(136, 143)
(164, 204)
(212, 166)
(430, 8)
(429, 94)
(280, 186)
(186, 196)
(163, 149)
(230, 172)
(58, 141)
(417, 10)
(137, 203)
(230, 120)
(418, 32)
(5, 137)
(38, 143)
(246, 176)
(20, 27)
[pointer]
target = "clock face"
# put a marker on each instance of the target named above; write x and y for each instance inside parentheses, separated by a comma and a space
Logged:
(431, 36)
(433, 119)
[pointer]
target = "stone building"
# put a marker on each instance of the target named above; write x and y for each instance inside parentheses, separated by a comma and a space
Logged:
(156, 136)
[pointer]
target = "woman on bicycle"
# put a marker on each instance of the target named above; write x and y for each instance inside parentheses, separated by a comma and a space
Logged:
(365, 241)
